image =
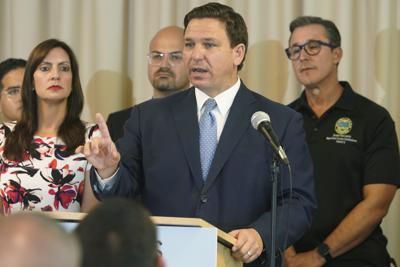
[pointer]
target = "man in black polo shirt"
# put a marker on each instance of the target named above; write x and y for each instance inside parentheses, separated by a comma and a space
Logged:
(354, 147)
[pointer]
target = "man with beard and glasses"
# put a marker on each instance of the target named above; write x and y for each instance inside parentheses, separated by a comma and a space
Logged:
(354, 147)
(166, 72)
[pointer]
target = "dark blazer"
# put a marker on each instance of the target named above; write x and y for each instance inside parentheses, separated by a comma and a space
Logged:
(160, 162)
(116, 122)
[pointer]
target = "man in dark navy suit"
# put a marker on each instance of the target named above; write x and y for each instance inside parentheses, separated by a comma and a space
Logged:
(165, 70)
(195, 153)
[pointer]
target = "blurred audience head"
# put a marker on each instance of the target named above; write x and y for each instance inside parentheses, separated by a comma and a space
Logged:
(166, 70)
(33, 240)
(11, 77)
(118, 233)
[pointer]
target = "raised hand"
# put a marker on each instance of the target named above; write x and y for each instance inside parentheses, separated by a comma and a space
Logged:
(101, 151)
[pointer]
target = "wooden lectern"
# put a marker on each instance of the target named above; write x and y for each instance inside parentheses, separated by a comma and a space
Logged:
(184, 241)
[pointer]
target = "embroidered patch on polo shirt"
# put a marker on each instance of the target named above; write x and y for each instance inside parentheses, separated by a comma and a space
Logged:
(343, 127)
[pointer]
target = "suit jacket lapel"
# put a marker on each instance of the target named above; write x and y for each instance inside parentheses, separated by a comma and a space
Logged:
(184, 111)
(236, 124)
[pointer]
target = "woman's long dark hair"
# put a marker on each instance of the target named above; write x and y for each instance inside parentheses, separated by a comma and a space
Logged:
(72, 129)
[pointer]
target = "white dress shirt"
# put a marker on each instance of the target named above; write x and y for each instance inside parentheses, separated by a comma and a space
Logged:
(224, 102)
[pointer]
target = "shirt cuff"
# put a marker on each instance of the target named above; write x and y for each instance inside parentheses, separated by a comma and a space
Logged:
(105, 184)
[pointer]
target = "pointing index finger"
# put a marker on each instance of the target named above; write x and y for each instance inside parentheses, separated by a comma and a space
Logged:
(102, 126)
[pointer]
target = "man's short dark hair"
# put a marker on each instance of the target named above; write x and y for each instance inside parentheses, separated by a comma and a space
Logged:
(118, 233)
(332, 31)
(235, 25)
(8, 65)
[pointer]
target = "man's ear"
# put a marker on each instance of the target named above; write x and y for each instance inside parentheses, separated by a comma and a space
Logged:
(238, 54)
(338, 54)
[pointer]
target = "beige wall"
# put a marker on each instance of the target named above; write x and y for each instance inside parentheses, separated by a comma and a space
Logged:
(110, 39)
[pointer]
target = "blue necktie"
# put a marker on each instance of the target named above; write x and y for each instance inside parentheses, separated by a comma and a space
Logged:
(208, 136)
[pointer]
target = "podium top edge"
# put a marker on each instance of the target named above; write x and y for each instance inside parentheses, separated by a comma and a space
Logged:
(223, 237)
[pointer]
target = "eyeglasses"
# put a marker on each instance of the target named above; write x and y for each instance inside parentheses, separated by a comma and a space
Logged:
(12, 91)
(156, 58)
(312, 48)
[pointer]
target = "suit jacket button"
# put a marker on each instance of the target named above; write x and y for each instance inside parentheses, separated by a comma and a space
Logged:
(203, 199)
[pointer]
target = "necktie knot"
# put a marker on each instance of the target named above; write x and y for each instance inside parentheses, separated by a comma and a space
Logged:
(209, 105)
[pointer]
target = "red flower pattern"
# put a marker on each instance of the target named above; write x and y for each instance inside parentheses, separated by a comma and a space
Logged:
(50, 177)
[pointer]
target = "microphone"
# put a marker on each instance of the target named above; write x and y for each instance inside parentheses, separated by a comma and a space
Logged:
(261, 122)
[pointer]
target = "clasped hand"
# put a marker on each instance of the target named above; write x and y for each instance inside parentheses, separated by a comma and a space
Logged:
(249, 245)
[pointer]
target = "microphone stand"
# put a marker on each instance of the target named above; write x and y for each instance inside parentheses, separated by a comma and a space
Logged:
(274, 180)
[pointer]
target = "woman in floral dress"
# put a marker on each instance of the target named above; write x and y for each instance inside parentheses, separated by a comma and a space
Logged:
(39, 169)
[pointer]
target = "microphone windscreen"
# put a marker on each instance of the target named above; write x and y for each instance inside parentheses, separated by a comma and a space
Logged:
(259, 117)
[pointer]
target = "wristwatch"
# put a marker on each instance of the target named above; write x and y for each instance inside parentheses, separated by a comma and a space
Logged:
(324, 251)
